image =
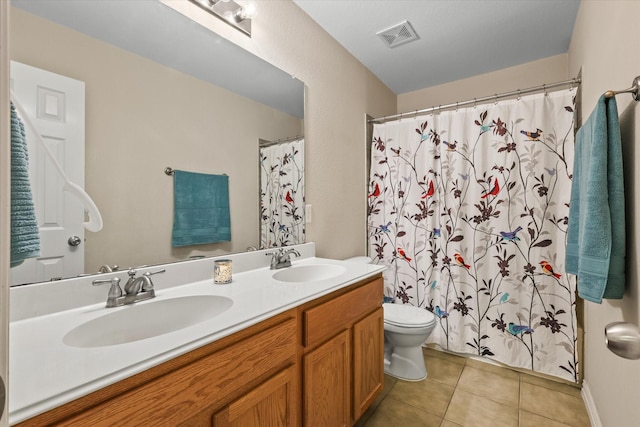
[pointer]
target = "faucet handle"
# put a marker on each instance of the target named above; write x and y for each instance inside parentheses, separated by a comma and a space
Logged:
(150, 273)
(276, 252)
(115, 291)
(147, 285)
(292, 251)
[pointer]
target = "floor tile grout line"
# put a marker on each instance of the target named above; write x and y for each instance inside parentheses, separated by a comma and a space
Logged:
(456, 387)
(542, 416)
(433, 352)
(421, 409)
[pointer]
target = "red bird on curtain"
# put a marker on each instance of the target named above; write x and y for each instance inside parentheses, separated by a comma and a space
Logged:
(494, 191)
(288, 197)
(548, 269)
(376, 191)
(403, 254)
(460, 261)
(430, 191)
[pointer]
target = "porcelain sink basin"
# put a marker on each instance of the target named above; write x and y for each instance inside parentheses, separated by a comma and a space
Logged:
(309, 273)
(146, 320)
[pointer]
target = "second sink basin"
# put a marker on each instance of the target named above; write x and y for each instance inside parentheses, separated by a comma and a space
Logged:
(309, 273)
(151, 319)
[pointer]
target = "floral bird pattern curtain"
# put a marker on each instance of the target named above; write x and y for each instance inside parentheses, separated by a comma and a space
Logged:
(282, 194)
(469, 211)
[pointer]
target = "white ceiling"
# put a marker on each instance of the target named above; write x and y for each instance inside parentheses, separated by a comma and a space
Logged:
(458, 38)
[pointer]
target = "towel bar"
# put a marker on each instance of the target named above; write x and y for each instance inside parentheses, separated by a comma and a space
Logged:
(169, 171)
(634, 90)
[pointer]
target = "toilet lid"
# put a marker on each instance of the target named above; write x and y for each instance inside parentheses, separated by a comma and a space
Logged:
(407, 315)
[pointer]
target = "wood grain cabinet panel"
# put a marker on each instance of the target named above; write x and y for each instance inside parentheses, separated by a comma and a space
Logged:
(326, 383)
(340, 383)
(174, 397)
(323, 320)
(272, 404)
(368, 361)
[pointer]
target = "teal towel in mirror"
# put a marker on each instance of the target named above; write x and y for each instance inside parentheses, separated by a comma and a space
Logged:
(596, 232)
(25, 240)
(201, 209)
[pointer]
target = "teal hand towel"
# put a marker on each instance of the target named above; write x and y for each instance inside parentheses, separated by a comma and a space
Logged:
(201, 209)
(25, 239)
(596, 231)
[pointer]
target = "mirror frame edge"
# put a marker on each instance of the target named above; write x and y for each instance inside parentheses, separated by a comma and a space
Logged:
(5, 200)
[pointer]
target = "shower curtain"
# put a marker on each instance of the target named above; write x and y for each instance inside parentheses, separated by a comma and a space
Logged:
(469, 211)
(282, 194)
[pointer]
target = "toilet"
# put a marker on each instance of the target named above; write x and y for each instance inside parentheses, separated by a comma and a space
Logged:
(406, 328)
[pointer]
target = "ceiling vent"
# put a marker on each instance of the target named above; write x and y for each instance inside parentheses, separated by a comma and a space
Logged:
(398, 34)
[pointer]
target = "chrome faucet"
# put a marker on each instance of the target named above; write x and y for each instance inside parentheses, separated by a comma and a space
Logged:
(107, 268)
(136, 289)
(282, 258)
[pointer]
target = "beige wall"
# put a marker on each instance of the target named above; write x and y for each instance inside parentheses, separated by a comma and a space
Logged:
(602, 45)
(340, 91)
(140, 118)
(548, 70)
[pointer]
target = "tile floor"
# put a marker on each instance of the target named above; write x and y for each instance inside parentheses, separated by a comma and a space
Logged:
(463, 392)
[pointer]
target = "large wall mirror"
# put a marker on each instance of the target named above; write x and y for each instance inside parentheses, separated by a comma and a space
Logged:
(159, 91)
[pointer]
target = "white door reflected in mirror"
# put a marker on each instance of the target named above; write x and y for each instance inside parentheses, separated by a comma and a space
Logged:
(55, 105)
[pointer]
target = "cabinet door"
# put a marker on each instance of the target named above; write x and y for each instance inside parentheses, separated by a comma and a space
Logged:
(368, 361)
(270, 404)
(327, 383)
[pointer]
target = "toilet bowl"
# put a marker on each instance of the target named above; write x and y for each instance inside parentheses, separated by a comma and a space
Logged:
(406, 328)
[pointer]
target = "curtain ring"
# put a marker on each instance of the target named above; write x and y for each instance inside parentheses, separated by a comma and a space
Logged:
(496, 101)
(544, 88)
(456, 106)
(475, 103)
(416, 114)
(519, 95)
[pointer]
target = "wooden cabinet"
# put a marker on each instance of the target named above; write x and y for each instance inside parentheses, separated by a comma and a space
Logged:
(320, 364)
(368, 361)
(273, 404)
(326, 383)
(190, 389)
(343, 346)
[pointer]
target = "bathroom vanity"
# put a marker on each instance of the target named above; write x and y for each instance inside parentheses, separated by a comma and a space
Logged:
(305, 353)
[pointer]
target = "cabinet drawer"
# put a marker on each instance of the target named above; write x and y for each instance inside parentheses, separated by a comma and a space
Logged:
(326, 319)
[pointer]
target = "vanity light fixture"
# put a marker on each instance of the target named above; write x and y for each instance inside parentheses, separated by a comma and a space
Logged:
(231, 12)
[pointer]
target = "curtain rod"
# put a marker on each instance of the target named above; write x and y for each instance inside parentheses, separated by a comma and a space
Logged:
(264, 143)
(475, 101)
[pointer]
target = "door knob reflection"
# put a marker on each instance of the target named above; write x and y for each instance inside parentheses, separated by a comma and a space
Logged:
(74, 241)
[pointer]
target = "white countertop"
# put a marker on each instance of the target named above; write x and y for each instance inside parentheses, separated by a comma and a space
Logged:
(46, 373)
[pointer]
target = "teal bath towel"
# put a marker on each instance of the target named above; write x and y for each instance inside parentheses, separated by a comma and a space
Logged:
(25, 239)
(596, 232)
(201, 209)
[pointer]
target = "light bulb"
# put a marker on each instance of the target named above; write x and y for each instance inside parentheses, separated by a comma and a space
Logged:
(246, 12)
